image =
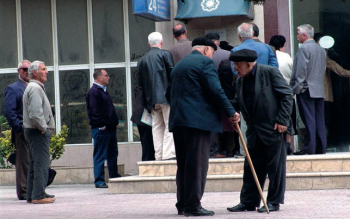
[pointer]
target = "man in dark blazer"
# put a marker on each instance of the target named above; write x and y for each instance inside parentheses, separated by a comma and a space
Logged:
(14, 115)
(307, 79)
(265, 101)
(196, 99)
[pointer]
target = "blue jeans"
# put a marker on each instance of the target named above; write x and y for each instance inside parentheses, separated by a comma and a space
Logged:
(105, 148)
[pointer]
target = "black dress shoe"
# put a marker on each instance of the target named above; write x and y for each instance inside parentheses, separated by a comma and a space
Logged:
(200, 212)
(23, 198)
(271, 208)
(102, 186)
(241, 207)
(49, 196)
(180, 212)
(301, 152)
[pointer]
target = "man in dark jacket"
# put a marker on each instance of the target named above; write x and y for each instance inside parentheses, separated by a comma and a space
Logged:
(14, 116)
(154, 74)
(265, 101)
(103, 122)
(196, 99)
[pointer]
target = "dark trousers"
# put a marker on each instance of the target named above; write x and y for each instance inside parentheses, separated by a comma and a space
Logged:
(267, 160)
(226, 143)
(312, 114)
(214, 149)
(22, 164)
(105, 148)
(192, 154)
(39, 162)
(146, 138)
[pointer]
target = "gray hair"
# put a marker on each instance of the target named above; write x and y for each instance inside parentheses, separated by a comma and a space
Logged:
(34, 66)
(245, 31)
(306, 29)
(22, 62)
(155, 38)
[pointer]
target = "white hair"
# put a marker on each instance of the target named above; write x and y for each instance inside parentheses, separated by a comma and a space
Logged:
(155, 38)
(34, 66)
(22, 62)
(245, 31)
(306, 29)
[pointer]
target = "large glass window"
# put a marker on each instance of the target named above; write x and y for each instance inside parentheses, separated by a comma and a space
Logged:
(74, 85)
(74, 77)
(117, 90)
(72, 32)
(8, 34)
(140, 28)
(330, 18)
(108, 31)
(134, 83)
(50, 88)
(37, 30)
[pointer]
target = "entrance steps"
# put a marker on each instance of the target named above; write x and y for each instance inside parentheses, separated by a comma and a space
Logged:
(327, 171)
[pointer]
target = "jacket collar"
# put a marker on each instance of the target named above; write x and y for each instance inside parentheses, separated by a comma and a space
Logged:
(37, 82)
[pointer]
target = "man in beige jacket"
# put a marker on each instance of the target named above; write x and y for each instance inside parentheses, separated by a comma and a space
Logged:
(38, 123)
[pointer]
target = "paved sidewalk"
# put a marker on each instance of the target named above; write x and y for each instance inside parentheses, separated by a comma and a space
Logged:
(85, 201)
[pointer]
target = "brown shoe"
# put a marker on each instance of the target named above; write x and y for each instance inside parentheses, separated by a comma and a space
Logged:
(220, 156)
(44, 201)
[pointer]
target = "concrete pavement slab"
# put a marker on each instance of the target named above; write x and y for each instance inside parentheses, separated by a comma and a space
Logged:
(85, 201)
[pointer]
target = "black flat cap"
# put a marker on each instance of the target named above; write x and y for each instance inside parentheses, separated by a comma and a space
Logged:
(243, 55)
(203, 41)
(212, 36)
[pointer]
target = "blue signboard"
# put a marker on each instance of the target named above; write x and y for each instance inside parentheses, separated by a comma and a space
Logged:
(187, 9)
(156, 10)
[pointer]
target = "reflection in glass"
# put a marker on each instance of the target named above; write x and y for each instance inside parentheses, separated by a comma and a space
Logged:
(72, 32)
(117, 90)
(34, 47)
(140, 28)
(8, 35)
(74, 85)
(108, 31)
(134, 83)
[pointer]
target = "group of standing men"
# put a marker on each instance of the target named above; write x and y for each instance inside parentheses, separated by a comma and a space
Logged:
(264, 98)
(30, 117)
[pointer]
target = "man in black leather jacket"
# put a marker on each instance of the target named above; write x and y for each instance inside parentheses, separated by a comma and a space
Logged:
(154, 75)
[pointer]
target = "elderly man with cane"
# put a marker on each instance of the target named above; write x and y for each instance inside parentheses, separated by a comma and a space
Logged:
(265, 101)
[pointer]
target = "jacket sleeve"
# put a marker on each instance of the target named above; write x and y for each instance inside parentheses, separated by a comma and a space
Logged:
(272, 57)
(336, 68)
(169, 63)
(284, 96)
(299, 70)
(10, 110)
(36, 114)
(95, 108)
(211, 83)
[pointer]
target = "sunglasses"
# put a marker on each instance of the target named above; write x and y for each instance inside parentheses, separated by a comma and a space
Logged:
(24, 69)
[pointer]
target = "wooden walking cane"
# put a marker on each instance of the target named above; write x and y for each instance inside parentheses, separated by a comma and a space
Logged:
(252, 167)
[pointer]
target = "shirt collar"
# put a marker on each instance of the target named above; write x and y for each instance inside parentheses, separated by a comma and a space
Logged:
(25, 82)
(103, 87)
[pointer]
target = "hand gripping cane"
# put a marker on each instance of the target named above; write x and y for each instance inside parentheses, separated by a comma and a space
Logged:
(252, 167)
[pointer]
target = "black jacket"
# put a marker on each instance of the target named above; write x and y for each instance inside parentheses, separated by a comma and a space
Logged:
(273, 100)
(196, 96)
(154, 70)
(100, 109)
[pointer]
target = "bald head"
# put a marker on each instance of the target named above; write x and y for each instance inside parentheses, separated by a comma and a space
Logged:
(180, 32)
